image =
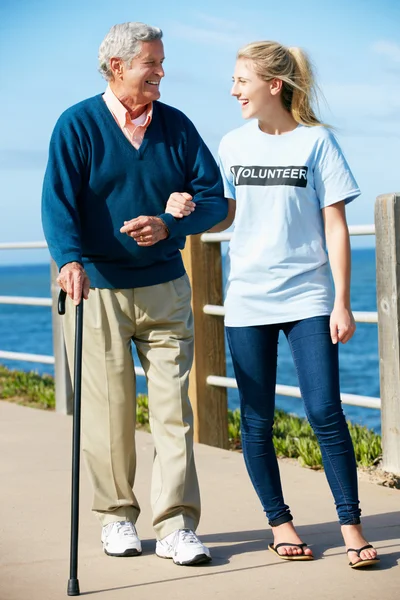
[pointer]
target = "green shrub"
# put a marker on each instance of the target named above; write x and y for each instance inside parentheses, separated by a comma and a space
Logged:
(292, 436)
(367, 445)
(142, 412)
(27, 388)
(234, 428)
(309, 454)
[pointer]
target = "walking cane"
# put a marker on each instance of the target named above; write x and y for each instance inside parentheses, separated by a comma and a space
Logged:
(73, 582)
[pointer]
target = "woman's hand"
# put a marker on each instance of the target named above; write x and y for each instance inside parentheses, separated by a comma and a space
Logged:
(180, 205)
(342, 325)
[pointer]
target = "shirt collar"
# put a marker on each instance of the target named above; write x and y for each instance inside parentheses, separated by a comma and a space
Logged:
(120, 112)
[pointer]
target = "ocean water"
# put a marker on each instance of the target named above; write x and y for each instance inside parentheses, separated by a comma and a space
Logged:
(28, 329)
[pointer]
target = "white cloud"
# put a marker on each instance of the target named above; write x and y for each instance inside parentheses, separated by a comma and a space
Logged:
(224, 39)
(388, 49)
(221, 24)
(363, 100)
(227, 34)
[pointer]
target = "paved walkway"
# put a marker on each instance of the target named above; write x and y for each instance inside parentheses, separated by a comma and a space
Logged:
(34, 529)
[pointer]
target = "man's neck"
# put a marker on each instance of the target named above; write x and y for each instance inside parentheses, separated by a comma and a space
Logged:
(134, 110)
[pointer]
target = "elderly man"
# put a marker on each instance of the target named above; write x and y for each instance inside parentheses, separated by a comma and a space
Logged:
(115, 160)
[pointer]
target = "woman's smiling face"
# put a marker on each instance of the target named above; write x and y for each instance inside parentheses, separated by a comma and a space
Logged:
(254, 94)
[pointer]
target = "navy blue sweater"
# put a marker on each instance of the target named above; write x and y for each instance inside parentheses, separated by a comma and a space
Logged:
(95, 180)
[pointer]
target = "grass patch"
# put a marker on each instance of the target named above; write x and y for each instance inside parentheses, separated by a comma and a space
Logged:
(28, 389)
(293, 436)
(142, 412)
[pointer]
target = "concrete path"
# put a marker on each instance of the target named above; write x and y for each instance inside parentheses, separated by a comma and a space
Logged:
(34, 529)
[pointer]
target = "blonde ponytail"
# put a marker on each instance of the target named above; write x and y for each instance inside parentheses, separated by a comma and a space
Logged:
(293, 67)
(305, 92)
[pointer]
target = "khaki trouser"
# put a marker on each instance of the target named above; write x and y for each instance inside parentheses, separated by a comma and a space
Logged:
(159, 321)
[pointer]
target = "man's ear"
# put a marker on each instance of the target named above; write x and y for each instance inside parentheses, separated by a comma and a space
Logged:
(117, 67)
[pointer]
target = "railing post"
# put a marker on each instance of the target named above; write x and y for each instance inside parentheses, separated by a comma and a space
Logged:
(204, 267)
(387, 224)
(63, 386)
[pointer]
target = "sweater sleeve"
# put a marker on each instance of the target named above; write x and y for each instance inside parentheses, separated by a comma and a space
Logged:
(61, 187)
(204, 183)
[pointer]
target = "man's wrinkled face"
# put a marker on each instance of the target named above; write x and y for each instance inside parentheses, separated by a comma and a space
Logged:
(141, 82)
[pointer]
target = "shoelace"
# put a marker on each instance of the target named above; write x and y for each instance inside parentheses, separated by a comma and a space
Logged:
(125, 528)
(187, 535)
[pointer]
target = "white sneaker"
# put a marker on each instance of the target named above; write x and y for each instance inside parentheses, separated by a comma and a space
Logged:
(184, 547)
(121, 539)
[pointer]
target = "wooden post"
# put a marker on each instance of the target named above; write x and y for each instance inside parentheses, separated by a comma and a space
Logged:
(387, 228)
(62, 377)
(204, 268)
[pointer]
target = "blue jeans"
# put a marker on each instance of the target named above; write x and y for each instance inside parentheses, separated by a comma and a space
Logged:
(254, 353)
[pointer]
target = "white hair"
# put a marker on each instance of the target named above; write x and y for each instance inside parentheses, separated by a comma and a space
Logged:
(124, 41)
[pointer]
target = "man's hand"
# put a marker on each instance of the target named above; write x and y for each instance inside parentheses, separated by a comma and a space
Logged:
(146, 231)
(73, 280)
(180, 205)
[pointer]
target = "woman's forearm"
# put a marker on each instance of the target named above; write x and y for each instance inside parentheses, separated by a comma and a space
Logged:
(338, 245)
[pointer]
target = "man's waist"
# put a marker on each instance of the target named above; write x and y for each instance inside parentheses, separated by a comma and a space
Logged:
(119, 275)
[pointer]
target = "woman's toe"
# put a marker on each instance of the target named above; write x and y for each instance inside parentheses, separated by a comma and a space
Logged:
(354, 558)
(369, 554)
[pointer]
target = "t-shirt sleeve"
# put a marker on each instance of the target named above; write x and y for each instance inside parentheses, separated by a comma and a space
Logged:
(333, 179)
(226, 174)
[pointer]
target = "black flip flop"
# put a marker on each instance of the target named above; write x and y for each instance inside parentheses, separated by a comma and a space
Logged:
(363, 562)
(302, 556)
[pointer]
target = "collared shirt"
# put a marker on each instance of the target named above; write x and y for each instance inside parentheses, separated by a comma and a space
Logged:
(133, 130)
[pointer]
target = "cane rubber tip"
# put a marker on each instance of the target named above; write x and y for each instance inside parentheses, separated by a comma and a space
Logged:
(73, 587)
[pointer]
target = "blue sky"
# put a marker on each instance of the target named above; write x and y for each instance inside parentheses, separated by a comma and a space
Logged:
(49, 51)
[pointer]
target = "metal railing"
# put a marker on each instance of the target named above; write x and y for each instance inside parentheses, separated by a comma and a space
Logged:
(210, 309)
(225, 236)
(354, 230)
(32, 301)
(287, 390)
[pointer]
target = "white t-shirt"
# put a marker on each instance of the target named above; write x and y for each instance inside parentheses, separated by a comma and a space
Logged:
(279, 270)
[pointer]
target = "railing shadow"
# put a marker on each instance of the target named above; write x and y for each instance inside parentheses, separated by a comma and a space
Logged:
(177, 579)
(321, 537)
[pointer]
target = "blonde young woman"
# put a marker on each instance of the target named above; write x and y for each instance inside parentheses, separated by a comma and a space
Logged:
(288, 183)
